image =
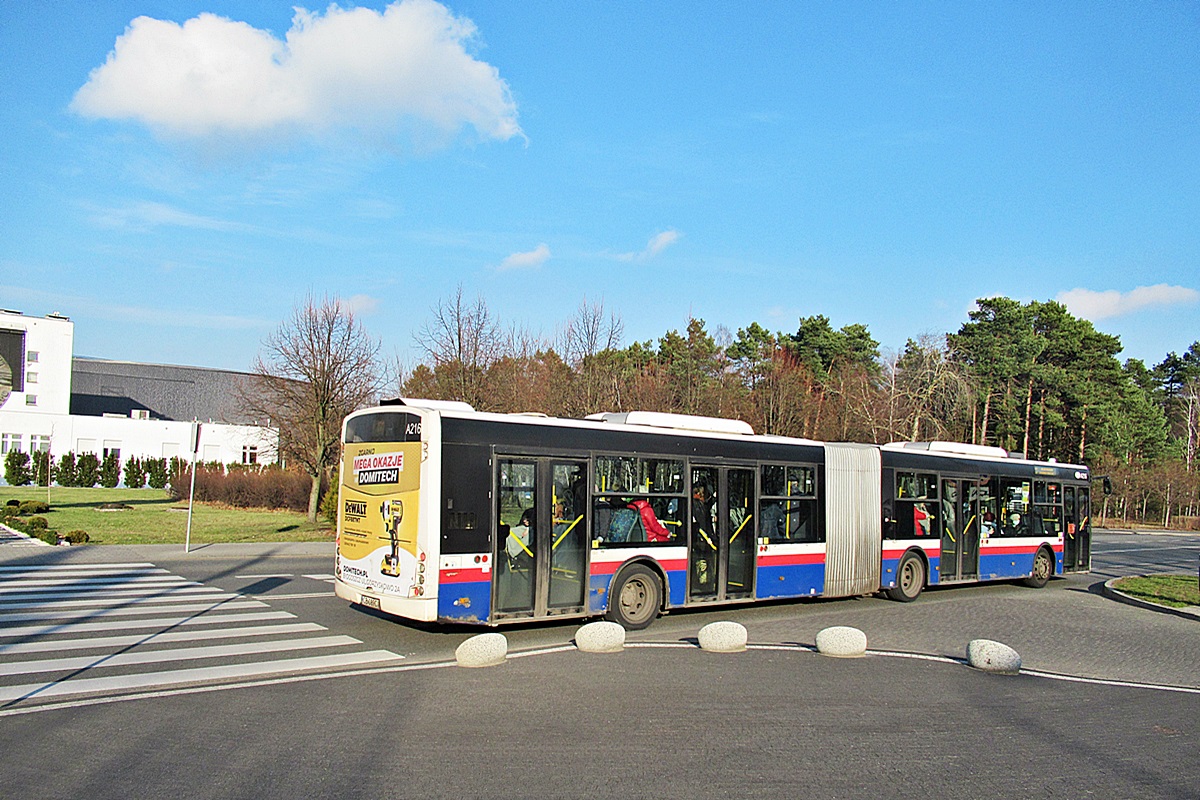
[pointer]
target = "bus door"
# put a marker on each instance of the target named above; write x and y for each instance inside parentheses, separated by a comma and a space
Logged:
(1076, 529)
(541, 538)
(960, 530)
(721, 548)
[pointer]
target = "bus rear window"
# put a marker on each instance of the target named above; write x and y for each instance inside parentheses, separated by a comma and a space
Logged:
(386, 426)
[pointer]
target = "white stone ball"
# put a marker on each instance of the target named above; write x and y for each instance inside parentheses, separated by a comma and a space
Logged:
(600, 637)
(484, 650)
(723, 637)
(992, 656)
(842, 641)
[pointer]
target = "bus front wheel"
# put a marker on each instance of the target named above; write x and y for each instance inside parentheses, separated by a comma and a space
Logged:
(910, 579)
(635, 598)
(1043, 568)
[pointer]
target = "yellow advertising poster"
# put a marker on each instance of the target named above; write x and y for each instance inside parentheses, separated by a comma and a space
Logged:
(377, 547)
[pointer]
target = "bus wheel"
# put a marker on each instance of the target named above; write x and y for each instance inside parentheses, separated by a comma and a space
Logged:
(910, 579)
(635, 597)
(1043, 568)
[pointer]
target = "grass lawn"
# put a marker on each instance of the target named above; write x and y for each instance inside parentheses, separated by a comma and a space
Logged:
(1176, 591)
(155, 519)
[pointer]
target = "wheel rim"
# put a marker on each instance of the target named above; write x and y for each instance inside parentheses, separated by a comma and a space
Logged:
(1041, 567)
(635, 600)
(910, 577)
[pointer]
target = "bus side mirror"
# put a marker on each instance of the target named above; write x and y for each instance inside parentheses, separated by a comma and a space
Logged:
(1107, 485)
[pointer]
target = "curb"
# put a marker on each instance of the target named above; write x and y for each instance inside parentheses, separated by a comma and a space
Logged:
(1191, 612)
(12, 536)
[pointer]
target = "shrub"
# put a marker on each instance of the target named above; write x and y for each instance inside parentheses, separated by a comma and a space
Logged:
(156, 472)
(274, 488)
(46, 535)
(88, 467)
(135, 473)
(77, 537)
(34, 507)
(16, 468)
(329, 505)
(110, 471)
(43, 468)
(176, 469)
(35, 523)
(14, 502)
(67, 471)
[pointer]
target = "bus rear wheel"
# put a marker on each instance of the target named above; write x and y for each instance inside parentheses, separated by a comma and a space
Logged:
(1043, 568)
(910, 579)
(635, 598)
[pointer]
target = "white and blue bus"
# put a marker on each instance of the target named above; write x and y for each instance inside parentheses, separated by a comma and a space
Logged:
(451, 515)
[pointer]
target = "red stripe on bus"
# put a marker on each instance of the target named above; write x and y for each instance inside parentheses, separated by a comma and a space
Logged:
(791, 559)
(1014, 550)
(610, 567)
(892, 555)
(474, 575)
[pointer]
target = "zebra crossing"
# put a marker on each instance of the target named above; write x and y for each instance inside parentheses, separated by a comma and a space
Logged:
(107, 629)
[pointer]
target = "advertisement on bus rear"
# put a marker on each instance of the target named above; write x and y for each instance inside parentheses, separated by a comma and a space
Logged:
(377, 520)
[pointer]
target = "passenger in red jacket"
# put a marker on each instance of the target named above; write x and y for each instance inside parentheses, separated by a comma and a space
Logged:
(655, 530)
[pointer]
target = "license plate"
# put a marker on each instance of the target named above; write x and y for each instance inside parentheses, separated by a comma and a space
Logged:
(369, 602)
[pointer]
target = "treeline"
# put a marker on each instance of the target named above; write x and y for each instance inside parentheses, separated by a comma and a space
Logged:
(1028, 377)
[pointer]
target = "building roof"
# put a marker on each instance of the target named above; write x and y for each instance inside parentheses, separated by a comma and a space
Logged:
(100, 386)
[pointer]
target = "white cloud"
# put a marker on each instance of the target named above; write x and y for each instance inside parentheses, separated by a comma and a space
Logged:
(1093, 305)
(534, 258)
(658, 242)
(403, 69)
(361, 304)
(146, 215)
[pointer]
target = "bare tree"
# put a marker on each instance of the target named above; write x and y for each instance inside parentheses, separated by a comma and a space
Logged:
(463, 341)
(585, 341)
(319, 366)
(589, 332)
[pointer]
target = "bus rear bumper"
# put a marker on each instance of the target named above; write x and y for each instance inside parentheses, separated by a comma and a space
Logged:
(422, 609)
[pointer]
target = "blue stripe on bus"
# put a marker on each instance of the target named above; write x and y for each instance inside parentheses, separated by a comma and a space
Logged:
(600, 586)
(790, 580)
(465, 602)
(1005, 565)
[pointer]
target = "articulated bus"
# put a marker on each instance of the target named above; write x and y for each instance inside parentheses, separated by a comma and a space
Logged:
(456, 516)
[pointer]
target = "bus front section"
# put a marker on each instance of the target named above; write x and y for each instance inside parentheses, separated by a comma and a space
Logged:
(382, 553)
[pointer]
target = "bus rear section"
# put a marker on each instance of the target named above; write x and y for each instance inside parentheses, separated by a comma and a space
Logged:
(383, 556)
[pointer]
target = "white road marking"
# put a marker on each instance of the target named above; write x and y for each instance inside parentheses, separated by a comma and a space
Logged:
(179, 654)
(159, 622)
(176, 677)
(120, 612)
(97, 642)
(117, 602)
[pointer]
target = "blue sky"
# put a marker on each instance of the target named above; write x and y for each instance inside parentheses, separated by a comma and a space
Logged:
(176, 185)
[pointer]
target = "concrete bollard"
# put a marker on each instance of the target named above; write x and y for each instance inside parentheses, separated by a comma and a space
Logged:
(484, 650)
(842, 641)
(723, 637)
(992, 656)
(600, 637)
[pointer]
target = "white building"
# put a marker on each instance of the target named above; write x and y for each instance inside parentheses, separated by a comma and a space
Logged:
(52, 401)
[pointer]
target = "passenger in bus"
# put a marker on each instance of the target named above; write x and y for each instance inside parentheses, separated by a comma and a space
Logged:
(989, 524)
(521, 535)
(704, 540)
(655, 530)
(920, 519)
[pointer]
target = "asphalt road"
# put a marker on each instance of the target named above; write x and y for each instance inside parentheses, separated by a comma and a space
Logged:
(662, 721)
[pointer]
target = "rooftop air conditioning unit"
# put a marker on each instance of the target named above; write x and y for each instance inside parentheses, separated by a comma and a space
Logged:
(140, 413)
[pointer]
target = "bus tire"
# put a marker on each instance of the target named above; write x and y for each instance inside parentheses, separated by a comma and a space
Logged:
(910, 579)
(635, 597)
(1043, 569)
